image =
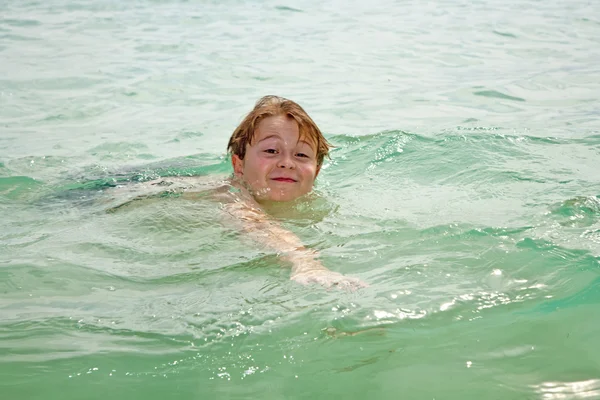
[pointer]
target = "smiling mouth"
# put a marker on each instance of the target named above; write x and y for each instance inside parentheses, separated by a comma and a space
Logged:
(288, 180)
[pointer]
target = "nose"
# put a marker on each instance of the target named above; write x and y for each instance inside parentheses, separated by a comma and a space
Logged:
(286, 161)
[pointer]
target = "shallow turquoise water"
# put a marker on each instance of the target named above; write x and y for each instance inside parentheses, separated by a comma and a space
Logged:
(464, 189)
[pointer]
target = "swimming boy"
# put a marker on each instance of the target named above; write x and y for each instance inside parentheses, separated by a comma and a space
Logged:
(277, 152)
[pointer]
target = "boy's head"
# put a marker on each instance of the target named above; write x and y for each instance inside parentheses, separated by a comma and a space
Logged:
(277, 150)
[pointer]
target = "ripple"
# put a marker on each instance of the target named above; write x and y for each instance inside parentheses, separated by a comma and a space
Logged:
(505, 34)
(20, 22)
(581, 211)
(19, 38)
(498, 95)
(287, 8)
(18, 187)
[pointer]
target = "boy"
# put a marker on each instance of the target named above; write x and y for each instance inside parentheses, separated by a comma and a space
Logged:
(276, 153)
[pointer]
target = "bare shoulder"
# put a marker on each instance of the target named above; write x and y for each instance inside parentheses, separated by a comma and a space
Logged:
(186, 187)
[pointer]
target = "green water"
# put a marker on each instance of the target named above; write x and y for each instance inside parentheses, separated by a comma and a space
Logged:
(464, 188)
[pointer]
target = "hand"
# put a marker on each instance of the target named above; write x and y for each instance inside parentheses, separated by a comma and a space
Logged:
(328, 279)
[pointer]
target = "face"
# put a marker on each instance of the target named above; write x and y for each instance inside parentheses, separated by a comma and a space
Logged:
(279, 165)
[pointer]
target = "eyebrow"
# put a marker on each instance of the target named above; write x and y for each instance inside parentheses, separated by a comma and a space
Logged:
(269, 137)
(279, 138)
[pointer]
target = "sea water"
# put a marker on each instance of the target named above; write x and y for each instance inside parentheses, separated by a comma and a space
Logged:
(464, 188)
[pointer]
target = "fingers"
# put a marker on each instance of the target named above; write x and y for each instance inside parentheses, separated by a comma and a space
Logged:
(331, 280)
(351, 284)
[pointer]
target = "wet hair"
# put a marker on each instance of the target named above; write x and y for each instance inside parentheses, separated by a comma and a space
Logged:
(269, 106)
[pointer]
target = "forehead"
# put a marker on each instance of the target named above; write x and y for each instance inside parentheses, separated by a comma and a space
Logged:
(283, 126)
(278, 124)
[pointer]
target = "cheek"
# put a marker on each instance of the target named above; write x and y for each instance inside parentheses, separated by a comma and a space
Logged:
(309, 173)
(257, 169)
(262, 165)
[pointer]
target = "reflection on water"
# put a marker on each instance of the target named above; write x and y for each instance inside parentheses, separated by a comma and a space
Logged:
(589, 389)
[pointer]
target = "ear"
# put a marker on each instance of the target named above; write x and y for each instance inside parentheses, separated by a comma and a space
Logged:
(318, 170)
(238, 165)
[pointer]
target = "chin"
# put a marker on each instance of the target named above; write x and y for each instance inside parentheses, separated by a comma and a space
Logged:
(280, 196)
(283, 197)
(269, 194)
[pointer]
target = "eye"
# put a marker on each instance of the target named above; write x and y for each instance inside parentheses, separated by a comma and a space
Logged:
(271, 151)
(302, 155)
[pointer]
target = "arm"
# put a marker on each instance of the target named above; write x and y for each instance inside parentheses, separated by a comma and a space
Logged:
(306, 268)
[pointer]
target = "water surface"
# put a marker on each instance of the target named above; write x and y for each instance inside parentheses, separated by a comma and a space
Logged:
(464, 188)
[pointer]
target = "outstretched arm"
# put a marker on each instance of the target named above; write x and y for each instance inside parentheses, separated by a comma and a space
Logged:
(306, 267)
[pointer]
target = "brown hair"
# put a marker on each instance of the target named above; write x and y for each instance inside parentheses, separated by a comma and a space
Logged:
(269, 106)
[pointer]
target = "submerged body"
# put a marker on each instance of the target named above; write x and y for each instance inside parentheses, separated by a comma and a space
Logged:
(276, 155)
(240, 207)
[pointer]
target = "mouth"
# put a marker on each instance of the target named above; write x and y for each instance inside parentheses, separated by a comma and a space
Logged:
(282, 179)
